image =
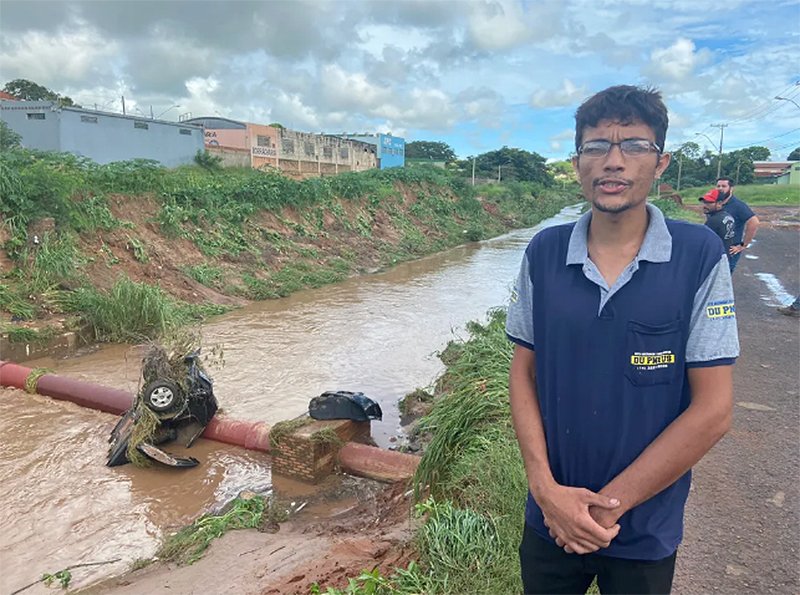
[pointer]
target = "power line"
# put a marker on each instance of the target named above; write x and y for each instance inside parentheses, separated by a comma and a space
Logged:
(766, 140)
(768, 106)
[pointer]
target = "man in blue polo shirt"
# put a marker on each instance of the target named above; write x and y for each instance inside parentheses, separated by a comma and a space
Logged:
(746, 221)
(621, 380)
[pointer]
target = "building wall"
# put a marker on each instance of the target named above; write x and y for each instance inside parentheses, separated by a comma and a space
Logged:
(231, 157)
(792, 175)
(305, 154)
(227, 138)
(262, 143)
(35, 121)
(102, 136)
(114, 137)
(390, 150)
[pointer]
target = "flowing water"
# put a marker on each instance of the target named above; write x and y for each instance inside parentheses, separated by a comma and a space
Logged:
(379, 334)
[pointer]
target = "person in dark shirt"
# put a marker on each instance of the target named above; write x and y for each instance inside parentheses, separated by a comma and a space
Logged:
(624, 332)
(746, 221)
(718, 219)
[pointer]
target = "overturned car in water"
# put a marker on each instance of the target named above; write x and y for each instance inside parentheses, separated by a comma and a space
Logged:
(176, 394)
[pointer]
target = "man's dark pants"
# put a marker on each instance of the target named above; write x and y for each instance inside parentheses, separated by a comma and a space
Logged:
(547, 568)
(733, 260)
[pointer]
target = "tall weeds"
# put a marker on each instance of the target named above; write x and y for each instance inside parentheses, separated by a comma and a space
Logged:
(129, 311)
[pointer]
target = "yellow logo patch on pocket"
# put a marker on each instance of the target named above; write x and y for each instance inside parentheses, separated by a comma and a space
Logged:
(652, 361)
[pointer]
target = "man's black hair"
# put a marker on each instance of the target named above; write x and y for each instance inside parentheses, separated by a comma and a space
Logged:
(730, 182)
(625, 104)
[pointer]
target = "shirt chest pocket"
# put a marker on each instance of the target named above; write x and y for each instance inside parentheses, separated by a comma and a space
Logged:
(654, 353)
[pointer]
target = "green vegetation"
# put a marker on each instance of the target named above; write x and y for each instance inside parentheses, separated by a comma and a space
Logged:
(760, 195)
(673, 210)
(691, 166)
(132, 311)
(30, 91)
(283, 428)
(8, 138)
(262, 235)
(187, 545)
(63, 577)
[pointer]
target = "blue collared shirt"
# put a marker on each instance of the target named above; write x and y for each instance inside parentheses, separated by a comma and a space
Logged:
(611, 361)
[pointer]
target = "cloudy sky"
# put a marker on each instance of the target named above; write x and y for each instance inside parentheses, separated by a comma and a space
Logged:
(477, 74)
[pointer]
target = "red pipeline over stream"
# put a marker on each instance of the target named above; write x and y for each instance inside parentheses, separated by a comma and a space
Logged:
(357, 459)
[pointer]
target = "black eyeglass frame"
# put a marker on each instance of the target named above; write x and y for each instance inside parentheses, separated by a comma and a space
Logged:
(651, 145)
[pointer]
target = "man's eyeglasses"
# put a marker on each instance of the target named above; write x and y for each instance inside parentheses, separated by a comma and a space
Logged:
(632, 147)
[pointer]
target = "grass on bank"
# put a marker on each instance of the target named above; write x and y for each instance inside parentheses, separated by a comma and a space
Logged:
(218, 211)
(132, 311)
(759, 195)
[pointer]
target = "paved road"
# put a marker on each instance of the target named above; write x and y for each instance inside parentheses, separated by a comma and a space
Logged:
(742, 527)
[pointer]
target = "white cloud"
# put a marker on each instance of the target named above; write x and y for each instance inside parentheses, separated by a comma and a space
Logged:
(479, 73)
(678, 61)
(497, 25)
(79, 56)
(568, 94)
(342, 89)
(563, 141)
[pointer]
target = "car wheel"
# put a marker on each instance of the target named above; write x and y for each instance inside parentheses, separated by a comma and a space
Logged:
(162, 396)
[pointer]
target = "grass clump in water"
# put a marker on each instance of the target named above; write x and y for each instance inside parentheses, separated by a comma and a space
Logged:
(188, 545)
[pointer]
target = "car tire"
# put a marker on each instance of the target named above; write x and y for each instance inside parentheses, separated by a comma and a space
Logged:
(163, 396)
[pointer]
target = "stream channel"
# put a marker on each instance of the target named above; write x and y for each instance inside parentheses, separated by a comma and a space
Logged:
(379, 334)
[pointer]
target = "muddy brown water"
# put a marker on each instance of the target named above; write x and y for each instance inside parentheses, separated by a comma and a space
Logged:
(379, 334)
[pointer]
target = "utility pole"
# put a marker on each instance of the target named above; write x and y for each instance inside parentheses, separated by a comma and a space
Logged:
(680, 167)
(473, 171)
(721, 131)
(123, 105)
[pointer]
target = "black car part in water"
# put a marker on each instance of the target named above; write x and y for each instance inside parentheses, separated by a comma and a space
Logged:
(175, 406)
(344, 404)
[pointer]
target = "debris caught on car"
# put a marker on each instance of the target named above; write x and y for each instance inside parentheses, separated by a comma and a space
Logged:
(176, 392)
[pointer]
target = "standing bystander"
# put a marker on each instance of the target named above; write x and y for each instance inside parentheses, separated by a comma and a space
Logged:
(718, 219)
(622, 374)
(746, 221)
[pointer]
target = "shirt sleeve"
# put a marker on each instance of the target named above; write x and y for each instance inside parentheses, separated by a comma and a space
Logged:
(713, 336)
(746, 211)
(519, 322)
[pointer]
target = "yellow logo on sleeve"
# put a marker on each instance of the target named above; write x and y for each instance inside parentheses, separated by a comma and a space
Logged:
(721, 310)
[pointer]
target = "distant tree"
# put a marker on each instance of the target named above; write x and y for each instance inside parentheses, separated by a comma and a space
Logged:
(513, 164)
(689, 166)
(700, 169)
(8, 138)
(754, 153)
(278, 125)
(30, 91)
(739, 164)
(794, 155)
(433, 150)
(561, 168)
